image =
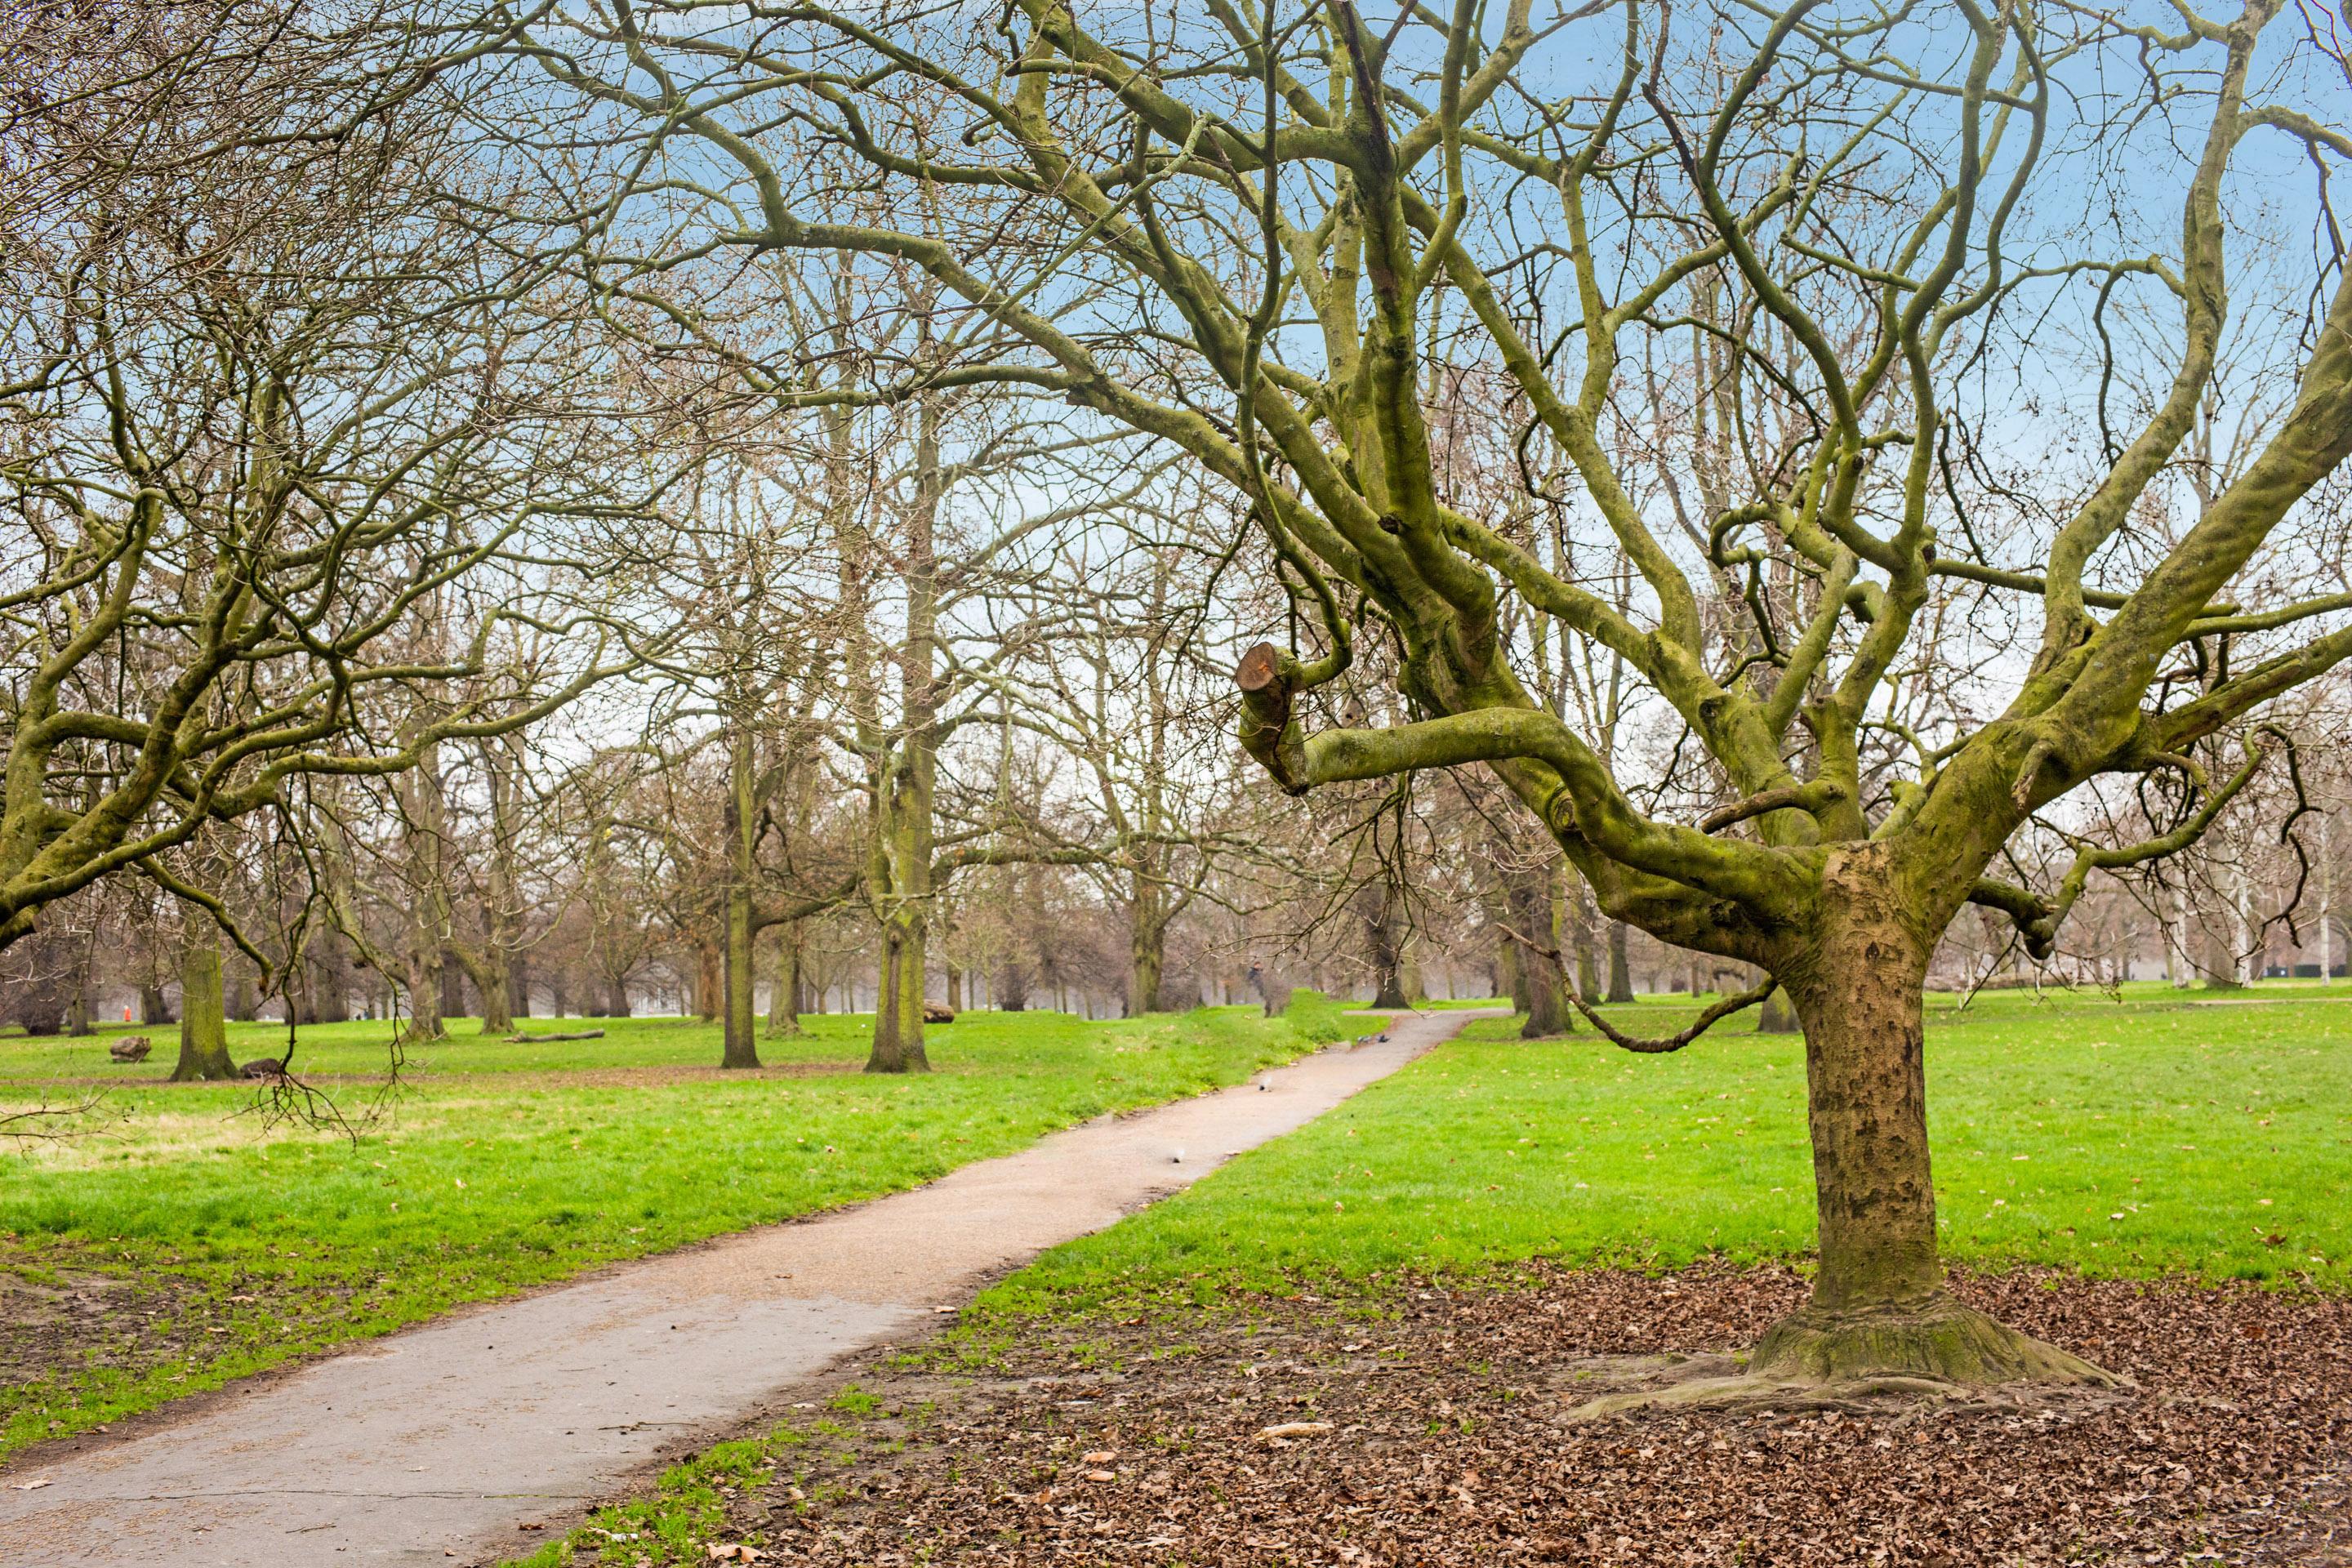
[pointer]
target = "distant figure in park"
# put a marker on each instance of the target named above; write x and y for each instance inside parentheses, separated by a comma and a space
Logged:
(1259, 983)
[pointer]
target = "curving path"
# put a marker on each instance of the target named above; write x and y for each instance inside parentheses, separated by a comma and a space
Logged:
(434, 1445)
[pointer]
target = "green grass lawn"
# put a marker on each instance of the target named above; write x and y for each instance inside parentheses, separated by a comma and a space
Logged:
(357, 1049)
(501, 1166)
(2157, 1133)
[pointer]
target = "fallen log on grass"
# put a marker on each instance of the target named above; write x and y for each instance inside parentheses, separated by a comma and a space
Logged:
(575, 1034)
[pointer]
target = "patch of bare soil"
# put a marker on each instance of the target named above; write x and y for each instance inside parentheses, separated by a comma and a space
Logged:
(1433, 1430)
(54, 1322)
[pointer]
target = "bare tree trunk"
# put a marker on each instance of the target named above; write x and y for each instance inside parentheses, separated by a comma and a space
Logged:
(425, 993)
(493, 975)
(2249, 967)
(2221, 963)
(1579, 921)
(1147, 939)
(327, 970)
(2177, 966)
(78, 1017)
(1879, 1305)
(1148, 969)
(785, 1002)
(204, 1024)
(738, 1020)
(423, 816)
(1540, 993)
(1503, 977)
(493, 980)
(1620, 973)
(741, 1044)
(327, 980)
(907, 785)
(899, 1000)
(1384, 940)
(496, 984)
(242, 999)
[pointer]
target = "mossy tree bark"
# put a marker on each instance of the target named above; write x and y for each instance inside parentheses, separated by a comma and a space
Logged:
(1859, 994)
(1879, 1306)
(203, 1018)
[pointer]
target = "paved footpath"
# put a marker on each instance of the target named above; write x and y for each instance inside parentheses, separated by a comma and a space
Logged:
(435, 1443)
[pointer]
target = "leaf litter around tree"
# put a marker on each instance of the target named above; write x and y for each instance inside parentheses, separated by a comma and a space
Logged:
(1429, 1425)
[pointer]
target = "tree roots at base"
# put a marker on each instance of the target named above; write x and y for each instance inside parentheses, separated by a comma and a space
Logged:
(1937, 1351)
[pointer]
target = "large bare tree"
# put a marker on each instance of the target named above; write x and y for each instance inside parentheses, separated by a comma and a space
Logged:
(1246, 232)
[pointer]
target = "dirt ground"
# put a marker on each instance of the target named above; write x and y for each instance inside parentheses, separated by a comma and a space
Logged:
(1447, 1443)
(54, 1321)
